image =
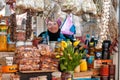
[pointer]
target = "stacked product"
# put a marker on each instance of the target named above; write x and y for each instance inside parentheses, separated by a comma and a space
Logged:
(27, 55)
(47, 58)
(41, 58)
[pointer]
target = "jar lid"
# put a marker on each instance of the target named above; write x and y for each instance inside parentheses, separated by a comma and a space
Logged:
(28, 43)
(40, 77)
(20, 30)
(19, 43)
(3, 33)
(57, 74)
(2, 22)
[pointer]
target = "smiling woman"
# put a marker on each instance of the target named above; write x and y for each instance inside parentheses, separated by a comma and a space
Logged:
(53, 31)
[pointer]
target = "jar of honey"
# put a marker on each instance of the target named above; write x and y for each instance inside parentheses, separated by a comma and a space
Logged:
(3, 41)
(3, 36)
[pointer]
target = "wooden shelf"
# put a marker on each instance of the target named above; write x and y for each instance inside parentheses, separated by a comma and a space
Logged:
(37, 71)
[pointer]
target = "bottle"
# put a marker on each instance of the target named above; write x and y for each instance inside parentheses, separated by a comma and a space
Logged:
(57, 45)
(44, 39)
(92, 41)
(87, 40)
(91, 57)
(83, 65)
(105, 49)
(98, 53)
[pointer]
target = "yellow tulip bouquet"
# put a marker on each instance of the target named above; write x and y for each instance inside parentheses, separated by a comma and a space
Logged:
(70, 55)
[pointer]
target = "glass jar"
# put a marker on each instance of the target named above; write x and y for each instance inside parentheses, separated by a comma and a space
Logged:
(104, 70)
(66, 76)
(20, 35)
(3, 41)
(11, 46)
(20, 43)
(42, 77)
(28, 43)
(56, 76)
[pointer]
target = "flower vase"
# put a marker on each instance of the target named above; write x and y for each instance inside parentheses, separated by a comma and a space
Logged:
(67, 75)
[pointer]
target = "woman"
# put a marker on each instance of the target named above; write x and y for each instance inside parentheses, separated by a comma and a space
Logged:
(53, 32)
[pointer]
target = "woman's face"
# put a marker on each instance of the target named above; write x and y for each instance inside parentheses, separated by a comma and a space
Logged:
(52, 27)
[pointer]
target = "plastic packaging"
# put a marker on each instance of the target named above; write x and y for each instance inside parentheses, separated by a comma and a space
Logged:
(56, 76)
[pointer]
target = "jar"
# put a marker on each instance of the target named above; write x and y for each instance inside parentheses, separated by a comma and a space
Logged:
(20, 35)
(83, 65)
(28, 43)
(15, 77)
(98, 53)
(66, 76)
(33, 78)
(104, 71)
(3, 41)
(42, 77)
(111, 69)
(104, 78)
(111, 77)
(3, 26)
(20, 43)
(56, 76)
(11, 46)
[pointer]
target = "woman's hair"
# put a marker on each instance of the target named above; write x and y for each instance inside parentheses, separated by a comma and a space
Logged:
(58, 21)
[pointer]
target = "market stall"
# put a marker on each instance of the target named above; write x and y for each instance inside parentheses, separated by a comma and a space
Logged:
(88, 48)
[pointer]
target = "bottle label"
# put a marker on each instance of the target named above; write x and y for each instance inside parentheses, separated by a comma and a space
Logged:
(91, 59)
(98, 55)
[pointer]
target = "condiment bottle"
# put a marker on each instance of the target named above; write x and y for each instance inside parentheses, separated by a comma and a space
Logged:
(91, 56)
(83, 65)
(98, 53)
(105, 49)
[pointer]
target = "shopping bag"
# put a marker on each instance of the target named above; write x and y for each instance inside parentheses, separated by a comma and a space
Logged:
(68, 27)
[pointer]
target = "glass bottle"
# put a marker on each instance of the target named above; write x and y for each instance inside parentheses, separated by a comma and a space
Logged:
(91, 57)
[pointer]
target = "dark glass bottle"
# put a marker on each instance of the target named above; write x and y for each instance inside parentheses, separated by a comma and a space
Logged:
(105, 49)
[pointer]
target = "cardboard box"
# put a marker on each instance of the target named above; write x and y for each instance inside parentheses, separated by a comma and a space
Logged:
(98, 63)
(83, 74)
